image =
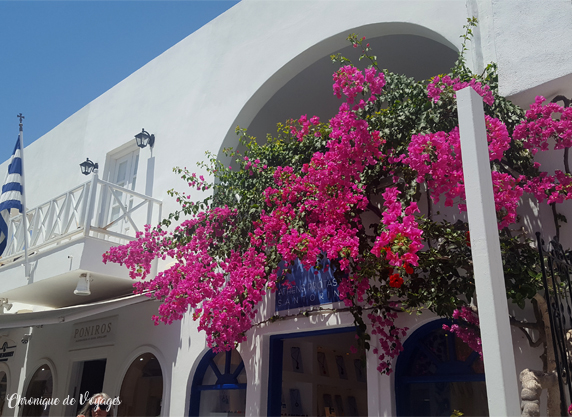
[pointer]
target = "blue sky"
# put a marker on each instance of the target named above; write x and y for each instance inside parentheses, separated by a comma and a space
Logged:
(57, 56)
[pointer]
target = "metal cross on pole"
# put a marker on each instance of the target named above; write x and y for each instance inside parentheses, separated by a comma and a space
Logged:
(24, 211)
(496, 336)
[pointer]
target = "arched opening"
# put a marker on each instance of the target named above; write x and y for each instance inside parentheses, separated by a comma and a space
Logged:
(3, 390)
(438, 373)
(399, 47)
(310, 91)
(219, 385)
(41, 386)
(142, 388)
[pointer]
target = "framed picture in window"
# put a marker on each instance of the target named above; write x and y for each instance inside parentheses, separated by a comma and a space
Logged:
(322, 364)
(339, 405)
(341, 364)
(295, 402)
(296, 354)
(352, 406)
(329, 406)
(360, 370)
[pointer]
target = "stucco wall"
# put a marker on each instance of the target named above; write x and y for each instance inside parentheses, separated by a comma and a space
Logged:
(529, 41)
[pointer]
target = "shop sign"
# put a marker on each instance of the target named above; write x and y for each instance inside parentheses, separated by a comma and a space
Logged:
(93, 333)
(7, 350)
(307, 288)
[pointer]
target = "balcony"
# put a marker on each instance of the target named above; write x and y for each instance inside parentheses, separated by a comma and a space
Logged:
(67, 237)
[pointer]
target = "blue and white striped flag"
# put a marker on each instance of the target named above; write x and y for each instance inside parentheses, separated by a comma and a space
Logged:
(11, 197)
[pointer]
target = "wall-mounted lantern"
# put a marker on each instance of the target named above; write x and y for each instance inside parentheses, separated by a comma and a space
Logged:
(566, 101)
(87, 167)
(144, 138)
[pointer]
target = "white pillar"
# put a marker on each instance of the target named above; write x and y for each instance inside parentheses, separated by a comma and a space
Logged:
(498, 354)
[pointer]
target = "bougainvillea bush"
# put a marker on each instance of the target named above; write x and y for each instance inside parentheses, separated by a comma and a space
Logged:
(351, 189)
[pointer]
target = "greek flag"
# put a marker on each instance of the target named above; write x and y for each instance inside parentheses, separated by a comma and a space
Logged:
(11, 197)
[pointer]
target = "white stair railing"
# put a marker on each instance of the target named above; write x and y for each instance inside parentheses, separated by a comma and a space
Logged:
(72, 215)
(134, 211)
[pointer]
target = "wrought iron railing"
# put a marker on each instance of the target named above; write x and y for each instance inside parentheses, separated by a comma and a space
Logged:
(556, 267)
(96, 208)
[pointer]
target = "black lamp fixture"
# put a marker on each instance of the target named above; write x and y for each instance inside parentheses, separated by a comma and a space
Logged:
(144, 138)
(88, 167)
(567, 101)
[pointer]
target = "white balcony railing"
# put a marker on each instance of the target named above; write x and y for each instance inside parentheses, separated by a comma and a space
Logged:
(96, 208)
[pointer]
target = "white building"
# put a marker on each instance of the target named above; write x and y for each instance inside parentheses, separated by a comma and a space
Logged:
(257, 64)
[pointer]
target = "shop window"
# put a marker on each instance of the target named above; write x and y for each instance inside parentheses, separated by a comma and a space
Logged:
(3, 390)
(219, 385)
(142, 388)
(40, 386)
(318, 374)
(437, 373)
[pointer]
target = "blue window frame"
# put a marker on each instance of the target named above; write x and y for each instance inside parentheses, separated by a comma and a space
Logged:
(219, 384)
(438, 373)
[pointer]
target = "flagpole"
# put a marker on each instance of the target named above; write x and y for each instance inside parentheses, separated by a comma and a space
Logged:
(24, 217)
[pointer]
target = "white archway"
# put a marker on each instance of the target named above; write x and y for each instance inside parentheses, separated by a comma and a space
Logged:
(166, 377)
(304, 85)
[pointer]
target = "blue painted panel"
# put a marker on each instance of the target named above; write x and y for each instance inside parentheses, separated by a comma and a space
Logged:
(308, 287)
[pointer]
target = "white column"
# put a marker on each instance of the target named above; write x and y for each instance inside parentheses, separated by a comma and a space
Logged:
(498, 354)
